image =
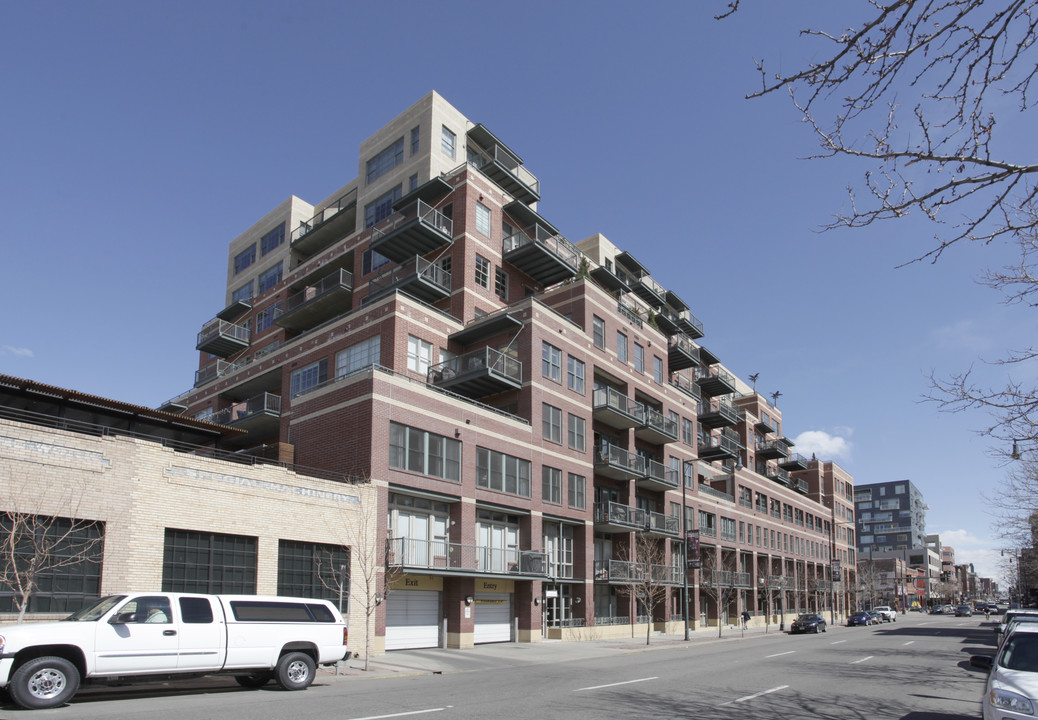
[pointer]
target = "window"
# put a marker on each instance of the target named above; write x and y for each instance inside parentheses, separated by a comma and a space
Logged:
(687, 435)
(362, 355)
(424, 452)
(312, 570)
(558, 544)
(245, 258)
(498, 471)
(386, 160)
(372, 261)
(448, 142)
(621, 347)
(243, 294)
(576, 433)
(551, 362)
(381, 207)
(196, 610)
(598, 331)
(639, 358)
(272, 240)
(208, 563)
(419, 354)
(575, 488)
(657, 369)
(482, 271)
(415, 136)
(307, 378)
(412, 183)
(74, 578)
(483, 218)
(551, 479)
(551, 423)
(500, 283)
(575, 374)
(270, 278)
(265, 318)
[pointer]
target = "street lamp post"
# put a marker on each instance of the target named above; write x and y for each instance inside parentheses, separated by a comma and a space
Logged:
(684, 532)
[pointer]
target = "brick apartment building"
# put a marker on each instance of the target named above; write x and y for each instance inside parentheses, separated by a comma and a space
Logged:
(529, 406)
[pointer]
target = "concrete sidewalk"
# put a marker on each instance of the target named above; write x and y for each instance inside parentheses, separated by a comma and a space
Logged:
(435, 661)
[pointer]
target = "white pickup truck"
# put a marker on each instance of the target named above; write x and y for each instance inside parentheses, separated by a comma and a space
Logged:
(141, 636)
(888, 613)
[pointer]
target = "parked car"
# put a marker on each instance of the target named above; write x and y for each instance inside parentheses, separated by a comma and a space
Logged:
(1008, 618)
(1012, 624)
(1011, 691)
(808, 622)
(876, 617)
(859, 618)
(888, 613)
(963, 611)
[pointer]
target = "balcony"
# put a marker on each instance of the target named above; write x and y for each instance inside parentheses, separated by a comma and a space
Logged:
(794, 462)
(686, 386)
(660, 524)
(259, 415)
(609, 279)
(216, 370)
(718, 414)
(618, 571)
(672, 322)
(497, 161)
(681, 353)
(615, 409)
(482, 372)
(487, 326)
(656, 427)
(614, 517)
(617, 463)
(780, 476)
(714, 381)
(222, 338)
(647, 289)
(727, 578)
(719, 447)
(545, 256)
(630, 313)
(418, 277)
(456, 559)
(334, 222)
(777, 449)
(313, 305)
(659, 477)
(414, 229)
(801, 486)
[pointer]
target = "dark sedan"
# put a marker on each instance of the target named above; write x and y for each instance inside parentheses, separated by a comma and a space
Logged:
(859, 618)
(808, 622)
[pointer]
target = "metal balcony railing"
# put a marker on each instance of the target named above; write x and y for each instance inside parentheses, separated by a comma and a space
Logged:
(418, 210)
(614, 456)
(416, 267)
(612, 513)
(262, 403)
(607, 397)
(483, 359)
(441, 555)
(322, 216)
(539, 235)
(504, 159)
(657, 421)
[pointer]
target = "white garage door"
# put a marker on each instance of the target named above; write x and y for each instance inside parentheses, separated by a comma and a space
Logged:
(493, 618)
(412, 619)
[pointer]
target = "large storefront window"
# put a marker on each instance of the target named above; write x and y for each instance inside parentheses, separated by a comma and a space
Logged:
(313, 570)
(208, 563)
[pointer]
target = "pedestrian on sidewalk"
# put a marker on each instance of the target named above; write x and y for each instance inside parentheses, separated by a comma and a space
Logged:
(745, 619)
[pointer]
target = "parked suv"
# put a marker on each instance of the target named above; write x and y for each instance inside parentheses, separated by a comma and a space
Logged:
(886, 612)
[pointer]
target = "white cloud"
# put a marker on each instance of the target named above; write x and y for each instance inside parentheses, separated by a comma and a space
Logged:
(823, 445)
(963, 335)
(12, 350)
(970, 548)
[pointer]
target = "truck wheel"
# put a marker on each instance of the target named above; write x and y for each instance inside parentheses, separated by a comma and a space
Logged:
(256, 680)
(295, 671)
(44, 682)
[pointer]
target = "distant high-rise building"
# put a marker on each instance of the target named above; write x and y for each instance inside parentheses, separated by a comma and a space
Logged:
(891, 516)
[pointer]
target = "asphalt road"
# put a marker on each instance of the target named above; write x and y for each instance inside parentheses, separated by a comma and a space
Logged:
(914, 669)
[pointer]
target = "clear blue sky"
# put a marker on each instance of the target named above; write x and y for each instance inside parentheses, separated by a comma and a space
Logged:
(138, 138)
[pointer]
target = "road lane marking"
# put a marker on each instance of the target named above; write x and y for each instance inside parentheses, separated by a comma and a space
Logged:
(403, 714)
(862, 660)
(909, 642)
(790, 652)
(626, 682)
(756, 695)
(837, 642)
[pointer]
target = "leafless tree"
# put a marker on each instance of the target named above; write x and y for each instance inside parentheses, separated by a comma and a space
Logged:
(924, 92)
(868, 582)
(717, 580)
(37, 543)
(646, 574)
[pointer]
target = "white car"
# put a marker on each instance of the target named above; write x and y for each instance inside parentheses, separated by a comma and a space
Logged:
(888, 613)
(1011, 691)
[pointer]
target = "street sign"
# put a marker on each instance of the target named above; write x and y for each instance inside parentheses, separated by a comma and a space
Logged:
(693, 560)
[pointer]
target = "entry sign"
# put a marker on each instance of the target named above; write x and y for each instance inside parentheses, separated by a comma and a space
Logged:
(693, 560)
